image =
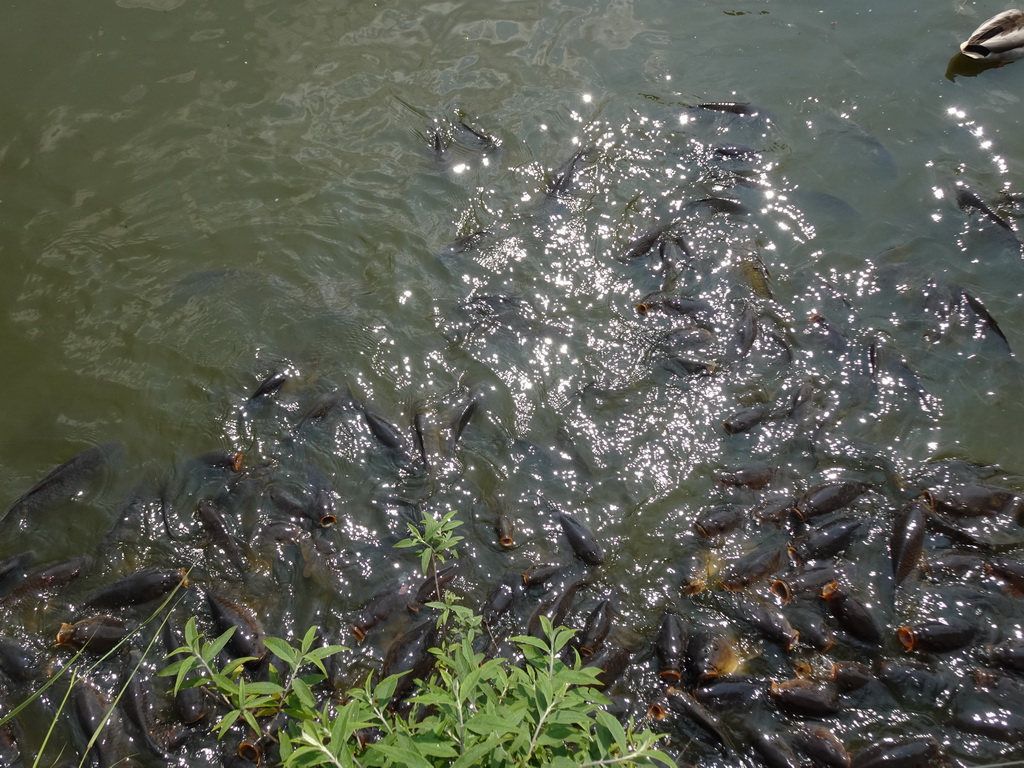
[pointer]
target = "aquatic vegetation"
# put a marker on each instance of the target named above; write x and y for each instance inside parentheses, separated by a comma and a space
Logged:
(464, 709)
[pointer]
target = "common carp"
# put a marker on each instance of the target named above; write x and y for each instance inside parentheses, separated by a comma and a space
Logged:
(581, 540)
(65, 481)
(564, 182)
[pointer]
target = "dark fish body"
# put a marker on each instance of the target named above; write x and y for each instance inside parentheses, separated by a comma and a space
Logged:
(66, 480)
(99, 634)
(734, 151)
(17, 663)
(972, 500)
(541, 573)
(581, 540)
(774, 510)
(10, 754)
(465, 412)
(683, 367)
(718, 520)
(321, 409)
(732, 108)
(435, 582)
(719, 205)
(137, 701)
(822, 747)
(918, 683)
(756, 274)
(645, 242)
(1009, 569)
(504, 528)
(564, 182)
(1008, 654)
(757, 564)
(220, 460)
(851, 676)
(670, 647)
(888, 367)
(709, 654)
(50, 578)
(673, 305)
(827, 541)
(13, 566)
(320, 511)
(380, 607)
(466, 242)
(907, 540)
(834, 339)
(674, 253)
(755, 476)
(213, 523)
(468, 136)
(804, 698)
(769, 621)
(286, 503)
(799, 399)
(90, 706)
(852, 615)
(968, 200)
(247, 639)
(12, 572)
(561, 607)
(438, 142)
(730, 691)
(189, 703)
(954, 563)
(388, 436)
(138, 588)
(906, 752)
(323, 511)
(813, 631)
(569, 447)
(599, 623)
(269, 386)
(829, 497)
(774, 750)
(983, 314)
(745, 418)
(685, 705)
(745, 333)
(612, 660)
(409, 655)
(807, 581)
(938, 524)
(992, 722)
(937, 636)
(687, 337)
(426, 437)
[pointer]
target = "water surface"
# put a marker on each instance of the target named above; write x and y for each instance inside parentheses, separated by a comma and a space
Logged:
(195, 196)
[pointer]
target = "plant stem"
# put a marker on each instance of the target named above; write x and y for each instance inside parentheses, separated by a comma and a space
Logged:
(53, 723)
(540, 724)
(612, 760)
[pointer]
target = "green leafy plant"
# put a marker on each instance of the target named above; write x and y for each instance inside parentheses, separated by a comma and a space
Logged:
(470, 711)
(257, 704)
(436, 539)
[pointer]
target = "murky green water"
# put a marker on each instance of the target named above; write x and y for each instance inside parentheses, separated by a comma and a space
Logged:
(193, 195)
